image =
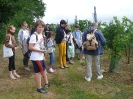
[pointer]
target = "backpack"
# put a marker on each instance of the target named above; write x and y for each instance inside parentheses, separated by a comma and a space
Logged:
(91, 42)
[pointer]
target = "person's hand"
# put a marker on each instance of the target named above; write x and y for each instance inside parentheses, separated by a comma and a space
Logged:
(20, 42)
(43, 51)
(44, 59)
(16, 48)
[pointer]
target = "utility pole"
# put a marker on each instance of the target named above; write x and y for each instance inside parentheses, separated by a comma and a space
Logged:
(95, 15)
(75, 20)
(67, 21)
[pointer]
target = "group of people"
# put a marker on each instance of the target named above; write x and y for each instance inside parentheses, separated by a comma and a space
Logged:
(73, 44)
(35, 44)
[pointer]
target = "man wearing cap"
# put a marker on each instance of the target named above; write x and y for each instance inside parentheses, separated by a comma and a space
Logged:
(60, 39)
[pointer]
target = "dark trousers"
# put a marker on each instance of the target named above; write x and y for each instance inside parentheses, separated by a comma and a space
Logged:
(26, 59)
(11, 65)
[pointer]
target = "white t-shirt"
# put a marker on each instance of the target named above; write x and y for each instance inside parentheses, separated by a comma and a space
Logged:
(64, 39)
(25, 34)
(38, 44)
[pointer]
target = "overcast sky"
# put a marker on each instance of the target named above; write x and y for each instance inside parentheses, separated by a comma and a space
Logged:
(84, 9)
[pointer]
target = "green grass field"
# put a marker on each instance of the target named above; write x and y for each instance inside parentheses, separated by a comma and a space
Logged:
(68, 83)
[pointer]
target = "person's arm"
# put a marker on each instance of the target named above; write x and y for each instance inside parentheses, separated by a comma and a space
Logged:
(32, 48)
(84, 36)
(80, 35)
(74, 38)
(19, 36)
(102, 38)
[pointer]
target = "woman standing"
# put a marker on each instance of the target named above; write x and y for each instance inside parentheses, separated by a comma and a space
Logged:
(50, 51)
(23, 36)
(10, 35)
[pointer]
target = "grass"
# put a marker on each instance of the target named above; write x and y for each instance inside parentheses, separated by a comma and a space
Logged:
(68, 83)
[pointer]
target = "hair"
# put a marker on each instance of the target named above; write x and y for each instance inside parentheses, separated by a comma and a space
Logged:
(23, 23)
(68, 31)
(63, 22)
(8, 29)
(49, 34)
(39, 22)
(77, 26)
(94, 24)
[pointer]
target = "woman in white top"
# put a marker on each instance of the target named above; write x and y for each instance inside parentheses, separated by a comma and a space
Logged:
(23, 36)
(36, 45)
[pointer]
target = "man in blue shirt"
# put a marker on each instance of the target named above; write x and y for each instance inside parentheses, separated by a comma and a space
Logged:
(94, 53)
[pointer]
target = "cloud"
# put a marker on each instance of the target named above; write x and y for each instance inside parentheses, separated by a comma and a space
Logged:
(84, 9)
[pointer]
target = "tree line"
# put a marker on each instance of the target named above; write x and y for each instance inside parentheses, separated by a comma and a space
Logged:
(16, 11)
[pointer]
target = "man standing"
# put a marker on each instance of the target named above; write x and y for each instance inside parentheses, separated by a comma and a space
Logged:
(77, 34)
(94, 53)
(60, 39)
(47, 29)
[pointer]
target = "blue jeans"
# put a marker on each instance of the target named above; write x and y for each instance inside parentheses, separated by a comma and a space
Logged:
(51, 58)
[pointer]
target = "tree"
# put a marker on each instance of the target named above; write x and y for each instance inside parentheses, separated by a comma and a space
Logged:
(14, 12)
(117, 38)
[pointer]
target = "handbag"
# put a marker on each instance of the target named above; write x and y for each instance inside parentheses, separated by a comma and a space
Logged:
(7, 52)
(50, 50)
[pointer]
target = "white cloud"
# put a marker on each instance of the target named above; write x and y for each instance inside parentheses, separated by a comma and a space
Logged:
(68, 9)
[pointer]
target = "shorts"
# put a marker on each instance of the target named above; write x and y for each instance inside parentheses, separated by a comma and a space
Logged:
(77, 50)
(39, 66)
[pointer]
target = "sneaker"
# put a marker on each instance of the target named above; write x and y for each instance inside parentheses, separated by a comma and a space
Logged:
(71, 62)
(100, 77)
(41, 90)
(83, 58)
(62, 67)
(66, 66)
(15, 74)
(27, 68)
(47, 85)
(51, 70)
(87, 79)
(78, 58)
(12, 77)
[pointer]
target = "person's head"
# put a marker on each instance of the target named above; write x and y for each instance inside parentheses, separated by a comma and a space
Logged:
(63, 23)
(67, 27)
(30, 27)
(50, 34)
(95, 25)
(47, 25)
(39, 26)
(24, 25)
(10, 30)
(77, 27)
(68, 31)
